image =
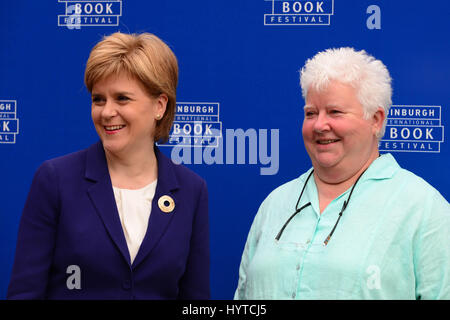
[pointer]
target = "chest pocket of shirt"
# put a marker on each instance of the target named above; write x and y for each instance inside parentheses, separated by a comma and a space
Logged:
(295, 247)
(274, 270)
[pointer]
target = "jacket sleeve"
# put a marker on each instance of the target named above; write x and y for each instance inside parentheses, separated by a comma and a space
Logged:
(194, 285)
(36, 237)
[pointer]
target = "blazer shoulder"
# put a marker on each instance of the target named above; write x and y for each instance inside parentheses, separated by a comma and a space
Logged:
(68, 165)
(183, 175)
(68, 159)
(183, 172)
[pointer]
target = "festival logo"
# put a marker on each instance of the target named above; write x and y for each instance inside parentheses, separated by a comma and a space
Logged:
(196, 124)
(196, 138)
(298, 13)
(9, 124)
(83, 13)
(413, 129)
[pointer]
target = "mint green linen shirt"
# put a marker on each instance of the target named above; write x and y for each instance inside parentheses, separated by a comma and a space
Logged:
(392, 242)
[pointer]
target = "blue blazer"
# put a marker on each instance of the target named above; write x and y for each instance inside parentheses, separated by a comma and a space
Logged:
(70, 219)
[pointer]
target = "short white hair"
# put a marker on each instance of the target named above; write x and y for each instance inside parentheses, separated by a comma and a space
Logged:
(367, 75)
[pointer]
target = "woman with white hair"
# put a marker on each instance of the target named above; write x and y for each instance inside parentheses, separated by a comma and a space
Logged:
(356, 225)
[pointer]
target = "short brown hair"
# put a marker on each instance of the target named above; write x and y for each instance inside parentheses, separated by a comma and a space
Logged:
(143, 56)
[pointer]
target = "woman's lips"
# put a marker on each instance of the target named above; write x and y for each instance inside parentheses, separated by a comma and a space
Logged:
(113, 129)
(327, 141)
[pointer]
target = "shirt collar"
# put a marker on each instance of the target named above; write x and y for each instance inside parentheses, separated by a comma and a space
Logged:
(383, 167)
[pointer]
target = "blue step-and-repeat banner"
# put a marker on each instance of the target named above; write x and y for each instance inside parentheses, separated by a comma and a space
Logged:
(239, 110)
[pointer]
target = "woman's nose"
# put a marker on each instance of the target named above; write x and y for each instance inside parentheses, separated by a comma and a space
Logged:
(321, 124)
(109, 109)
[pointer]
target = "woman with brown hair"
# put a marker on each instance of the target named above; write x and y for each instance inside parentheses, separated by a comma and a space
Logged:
(118, 220)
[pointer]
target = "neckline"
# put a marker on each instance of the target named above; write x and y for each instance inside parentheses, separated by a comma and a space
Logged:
(150, 185)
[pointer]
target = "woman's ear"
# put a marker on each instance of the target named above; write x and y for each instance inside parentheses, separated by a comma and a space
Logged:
(378, 120)
(161, 105)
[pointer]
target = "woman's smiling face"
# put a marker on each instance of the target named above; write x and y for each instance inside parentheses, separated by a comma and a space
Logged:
(124, 114)
(335, 132)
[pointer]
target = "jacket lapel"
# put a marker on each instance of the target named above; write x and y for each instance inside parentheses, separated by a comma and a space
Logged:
(159, 220)
(102, 196)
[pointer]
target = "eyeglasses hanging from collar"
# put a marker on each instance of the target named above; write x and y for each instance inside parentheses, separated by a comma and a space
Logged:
(297, 210)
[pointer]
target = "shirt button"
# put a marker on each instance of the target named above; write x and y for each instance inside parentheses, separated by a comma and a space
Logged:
(293, 295)
(126, 285)
(308, 241)
(297, 267)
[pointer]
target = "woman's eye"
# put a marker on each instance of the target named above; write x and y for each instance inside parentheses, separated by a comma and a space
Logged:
(123, 98)
(335, 111)
(309, 113)
(97, 99)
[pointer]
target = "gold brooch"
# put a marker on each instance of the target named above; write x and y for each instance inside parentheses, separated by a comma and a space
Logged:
(166, 204)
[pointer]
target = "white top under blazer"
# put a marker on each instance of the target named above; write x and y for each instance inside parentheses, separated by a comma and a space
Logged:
(134, 208)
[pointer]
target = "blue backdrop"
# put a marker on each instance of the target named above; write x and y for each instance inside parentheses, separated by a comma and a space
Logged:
(240, 57)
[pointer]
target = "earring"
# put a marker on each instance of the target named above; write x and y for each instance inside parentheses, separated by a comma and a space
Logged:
(158, 117)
